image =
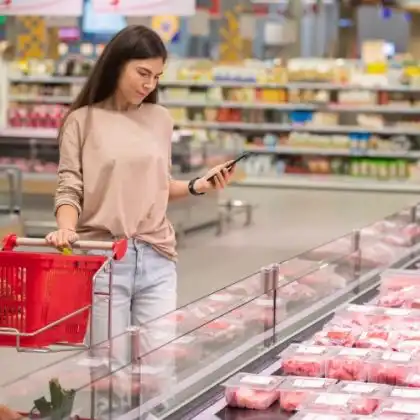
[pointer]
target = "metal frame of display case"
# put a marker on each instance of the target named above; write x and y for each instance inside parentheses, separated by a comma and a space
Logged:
(197, 393)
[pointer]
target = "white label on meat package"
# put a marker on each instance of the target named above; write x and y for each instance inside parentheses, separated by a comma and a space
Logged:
(186, 339)
(267, 303)
(397, 311)
(331, 399)
(310, 350)
(405, 408)
(359, 388)
(320, 417)
(405, 393)
(256, 380)
(359, 308)
(221, 298)
(396, 356)
(309, 383)
(353, 352)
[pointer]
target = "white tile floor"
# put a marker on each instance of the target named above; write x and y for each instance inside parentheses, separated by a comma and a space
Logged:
(286, 223)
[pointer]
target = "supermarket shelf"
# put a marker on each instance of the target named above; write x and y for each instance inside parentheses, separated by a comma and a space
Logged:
(341, 108)
(34, 183)
(270, 127)
(332, 182)
(42, 99)
(57, 80)
(289, 150)
(29, 133)
(225, 83)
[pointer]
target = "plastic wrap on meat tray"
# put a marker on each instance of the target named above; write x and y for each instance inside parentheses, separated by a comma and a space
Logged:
(294, 390)
(366, 316)
(260, 312)
(371, 390)
(404, 393)
(407, 297)
(375, 339)
(341, 403)
(304, 360)
(334, 336)
(251, 286)
(256, 392)
(394, 280)
(391, 367)
(324, 280)
(297, 293)
(398, 408)
(348, 364)
(407, 341)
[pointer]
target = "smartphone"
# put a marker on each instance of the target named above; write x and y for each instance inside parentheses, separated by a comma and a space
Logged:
(233, 163)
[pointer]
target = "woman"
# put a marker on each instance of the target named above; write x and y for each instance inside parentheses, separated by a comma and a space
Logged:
(114, 178)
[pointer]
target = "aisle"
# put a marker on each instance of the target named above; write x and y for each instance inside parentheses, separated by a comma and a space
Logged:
(286, 223)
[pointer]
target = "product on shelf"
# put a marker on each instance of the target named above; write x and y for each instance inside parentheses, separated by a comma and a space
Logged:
(407, 297)
(305, 360)
(334, 336)
(399, 409)
(295, 292)
(348, 364)
(294, 390)
(391, 367)
(341, 403)
(395, 280)
(252, 391)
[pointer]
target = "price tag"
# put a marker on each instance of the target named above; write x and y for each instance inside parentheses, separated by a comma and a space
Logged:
(311, 416)
(359, 388)
(331, 399)
(359, 308)
(186, 339)
(88, 362)
(309, 383)
(267, 303)
(396, 356)
(405, 408)
(405, 393)
(256, 380)
(397, 312)
(310, 350)
(353, 352)
(221, 298)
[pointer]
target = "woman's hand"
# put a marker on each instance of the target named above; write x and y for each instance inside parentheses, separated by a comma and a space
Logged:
(62, 238)
(8, 414)
(222, 178)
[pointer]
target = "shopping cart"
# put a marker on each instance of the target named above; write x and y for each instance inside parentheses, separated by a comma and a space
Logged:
(46, 298)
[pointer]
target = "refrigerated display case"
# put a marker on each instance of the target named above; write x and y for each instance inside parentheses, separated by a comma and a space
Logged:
(176, 364)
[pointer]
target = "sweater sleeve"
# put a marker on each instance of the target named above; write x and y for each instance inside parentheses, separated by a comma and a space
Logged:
(70, 177)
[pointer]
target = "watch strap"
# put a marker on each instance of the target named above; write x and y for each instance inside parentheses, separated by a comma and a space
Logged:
(191, 188)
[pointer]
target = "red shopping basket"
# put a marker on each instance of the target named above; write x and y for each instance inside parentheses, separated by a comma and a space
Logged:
(37, 289)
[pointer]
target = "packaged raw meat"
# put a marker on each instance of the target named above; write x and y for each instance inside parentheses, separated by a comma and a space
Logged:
(391, 367)
(412, 380)
(296, 267)
(398, 408)
(347, 364)
(343, 337)
(261, 311)
(371, 390)
(294, 390)
(304, 360)
(251, 286)
(406, 341)
(375, 339)
(324, 280)
(394, 280)
(297, 294)
(340, 403)
(256, 392)
(407, 297)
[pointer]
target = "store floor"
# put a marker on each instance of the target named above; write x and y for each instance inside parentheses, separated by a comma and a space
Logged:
(286, 222)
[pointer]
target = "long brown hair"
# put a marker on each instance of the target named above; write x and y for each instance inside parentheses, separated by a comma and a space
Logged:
(135, 42)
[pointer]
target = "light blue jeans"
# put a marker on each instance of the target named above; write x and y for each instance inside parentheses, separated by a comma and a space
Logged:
(144, 287)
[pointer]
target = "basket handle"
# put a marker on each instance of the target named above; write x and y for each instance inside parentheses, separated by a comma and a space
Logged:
(119, 248)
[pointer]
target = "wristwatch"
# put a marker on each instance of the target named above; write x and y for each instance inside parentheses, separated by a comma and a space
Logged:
(191, 188)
